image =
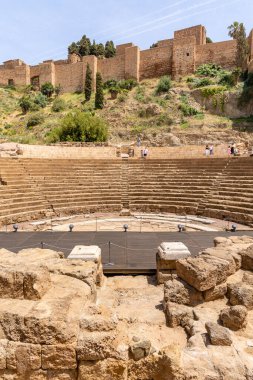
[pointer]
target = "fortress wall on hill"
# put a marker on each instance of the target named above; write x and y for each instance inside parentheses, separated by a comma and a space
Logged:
(156, 62)
(220, 53)
(112, 68)
(176, 57)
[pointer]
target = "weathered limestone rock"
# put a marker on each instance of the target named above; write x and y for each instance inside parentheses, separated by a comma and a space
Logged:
(247, 258)
(58, 357)
(234, 317)
(219, 336)
(61, 375)
(177, 315)
(3, 353)
(97, 346)
(221, 253)
(23, 357)
(140, 349)
(103, 370)
(240, 294)
(219, 291)
(197, 272)
(21, 284)
(248, 278)
(178, 291)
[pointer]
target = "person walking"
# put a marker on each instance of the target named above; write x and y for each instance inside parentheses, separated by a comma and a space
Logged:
(207, 151)
(211, 150)
(145, 153)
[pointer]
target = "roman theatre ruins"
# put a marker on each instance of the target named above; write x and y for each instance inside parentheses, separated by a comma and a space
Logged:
(77, 299)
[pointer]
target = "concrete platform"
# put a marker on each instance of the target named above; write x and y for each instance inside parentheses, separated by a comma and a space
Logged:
(130, 252)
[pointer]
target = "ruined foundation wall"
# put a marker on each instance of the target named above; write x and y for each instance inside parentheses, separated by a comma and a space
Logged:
(220, 53)
(16, 71)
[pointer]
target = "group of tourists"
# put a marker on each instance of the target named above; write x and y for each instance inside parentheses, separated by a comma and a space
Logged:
(233, 150)
(209, 150)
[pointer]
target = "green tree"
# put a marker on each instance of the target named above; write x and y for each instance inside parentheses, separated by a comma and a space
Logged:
(47, 89)
(110, 50)
(233, 30)
(100, 50)
(73, 48)
(99, 98)
(81, 126)
(237, 32)
(84, 46)
(88, 83)
(209, 40)
(93, 49)
(154, 45)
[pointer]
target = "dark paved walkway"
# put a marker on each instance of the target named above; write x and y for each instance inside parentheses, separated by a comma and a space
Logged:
(131, 251)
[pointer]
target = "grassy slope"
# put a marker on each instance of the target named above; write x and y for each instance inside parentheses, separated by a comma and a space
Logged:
(126, 116)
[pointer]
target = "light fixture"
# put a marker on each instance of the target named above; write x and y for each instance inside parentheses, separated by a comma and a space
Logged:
(233, 228)
(125, 227)
(15, 227)
(71, 226)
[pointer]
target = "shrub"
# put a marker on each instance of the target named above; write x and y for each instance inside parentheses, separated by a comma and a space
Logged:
(212, 90)
(59, 105)
(164, 119)
(47, 89)
(122, 98)
(26, 104)
(99, 98)
(140, 94)
(164, 85)
(227, 79)
(35, 119)
(57, 90)
(209, 70)
(40, 100)
(188, 110)
(202, 82)
(110, 84)
(80, 126)
(127, 84)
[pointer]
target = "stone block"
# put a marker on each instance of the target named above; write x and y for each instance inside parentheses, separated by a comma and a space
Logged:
(234, 317)
(247, 258)
(177, 315)
(103, 370)
(23, 357)
(95, 346)
(3, 353)
(178, 291)
(219, 291)
(219, 336)
(86, 253)
(197, 272)
(240, 294)
(58, 357)
(140, 349)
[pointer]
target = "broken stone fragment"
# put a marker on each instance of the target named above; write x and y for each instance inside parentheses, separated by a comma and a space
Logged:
(240, 294)
(219, 336)
(234, 317)
(177, 315)
(219, 291)
(247, 258)
(140, 350)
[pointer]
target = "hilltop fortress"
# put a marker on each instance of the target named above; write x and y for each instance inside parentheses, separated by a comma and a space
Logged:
(177, 57)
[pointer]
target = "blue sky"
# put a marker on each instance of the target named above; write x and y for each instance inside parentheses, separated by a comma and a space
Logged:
(35, 30)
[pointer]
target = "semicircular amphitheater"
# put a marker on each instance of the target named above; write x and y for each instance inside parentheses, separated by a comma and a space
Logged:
(33, 188)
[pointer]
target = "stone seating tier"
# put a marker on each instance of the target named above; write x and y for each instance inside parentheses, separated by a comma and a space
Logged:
(36, 188)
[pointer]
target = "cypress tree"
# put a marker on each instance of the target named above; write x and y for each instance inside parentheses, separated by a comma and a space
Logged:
(88, 83)
(99, 98)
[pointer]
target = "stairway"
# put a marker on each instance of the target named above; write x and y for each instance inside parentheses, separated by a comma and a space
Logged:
(124, 184)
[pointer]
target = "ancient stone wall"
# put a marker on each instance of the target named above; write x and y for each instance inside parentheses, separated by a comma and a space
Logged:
(184, 52)
(220, 53)
(14, 72)
(178, 56)
(157, 61)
